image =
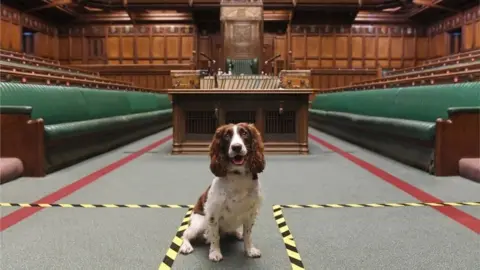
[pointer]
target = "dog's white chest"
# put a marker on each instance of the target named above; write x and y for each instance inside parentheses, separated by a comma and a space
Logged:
(239, 205)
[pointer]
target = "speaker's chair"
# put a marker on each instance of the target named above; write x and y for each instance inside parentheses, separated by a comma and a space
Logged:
(242, 66)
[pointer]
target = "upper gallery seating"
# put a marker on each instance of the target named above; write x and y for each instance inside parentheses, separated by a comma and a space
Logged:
(430, 127)
(8, 56)
(28, 56)
(49, 127)
(451, 56)
(451, 70)
(16, 67)
(26, 69)
(464, 57)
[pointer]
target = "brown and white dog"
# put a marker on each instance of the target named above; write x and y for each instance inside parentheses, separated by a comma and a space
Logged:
(230, 204)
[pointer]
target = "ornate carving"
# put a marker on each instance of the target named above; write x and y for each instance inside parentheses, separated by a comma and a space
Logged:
(241, 3)
(241, 13)
(455, 21)
(242, 32)
(295, 79)
(185, 79)
(242, 39)
(363, 30)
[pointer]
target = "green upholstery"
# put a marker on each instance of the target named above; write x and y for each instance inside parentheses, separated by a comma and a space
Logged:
(407, 111)
(406, 128)
(397, 122)
(454, 110)
(421, 103)
(242, 66)
(69, 111)
(103, 124)
(102, 104)
(27, 110)
(55, 104)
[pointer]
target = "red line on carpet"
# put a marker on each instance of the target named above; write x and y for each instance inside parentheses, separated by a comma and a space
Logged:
(23, 213)
(455, 214)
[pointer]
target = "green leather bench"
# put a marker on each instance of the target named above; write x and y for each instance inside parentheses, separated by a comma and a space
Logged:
(242, 66)
(398, 122)
(81, 122)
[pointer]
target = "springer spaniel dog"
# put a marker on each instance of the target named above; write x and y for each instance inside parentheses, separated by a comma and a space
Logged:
(230, 204)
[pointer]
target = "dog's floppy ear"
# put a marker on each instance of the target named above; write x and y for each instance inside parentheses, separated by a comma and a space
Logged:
(257, 158)
(218, 160)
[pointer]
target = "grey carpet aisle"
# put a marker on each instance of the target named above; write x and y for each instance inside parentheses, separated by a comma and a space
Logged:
(343, 238)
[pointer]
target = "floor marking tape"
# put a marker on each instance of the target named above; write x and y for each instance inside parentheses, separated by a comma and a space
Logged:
(172, 251)
(292, 252)
(295, 206)
(377, 205)
(88, 205)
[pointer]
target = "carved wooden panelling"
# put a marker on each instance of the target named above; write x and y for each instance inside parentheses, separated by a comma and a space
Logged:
(240, 116)
(16, 17)
(200, 122)
(466, 17)
(361, 30)
(241, 13)
(242, 39)
(127, 30)
(280, 123)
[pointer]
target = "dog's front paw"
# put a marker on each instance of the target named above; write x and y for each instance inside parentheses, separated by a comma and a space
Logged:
(253, 252)
(186, 248)
(215, 255)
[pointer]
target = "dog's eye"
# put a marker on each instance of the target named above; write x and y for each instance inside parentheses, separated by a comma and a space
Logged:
(243, 133)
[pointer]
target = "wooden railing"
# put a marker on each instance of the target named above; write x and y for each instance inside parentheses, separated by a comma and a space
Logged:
(28, 77)
(426, 79)
(29, 56)
(451, 56)
(8, 56)
(473, 56)
(26, 68)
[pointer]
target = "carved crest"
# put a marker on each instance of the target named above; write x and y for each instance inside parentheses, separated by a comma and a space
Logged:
(241, 13)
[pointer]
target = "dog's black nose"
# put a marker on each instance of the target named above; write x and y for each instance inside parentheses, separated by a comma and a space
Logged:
(236, 147)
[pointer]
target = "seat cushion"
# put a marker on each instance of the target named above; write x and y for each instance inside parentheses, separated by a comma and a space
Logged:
(146, 102)
(63, 130)
(470, 168)
(103, 104)
(10, 169)
(55, 104)
(420, 103)
(407, 128)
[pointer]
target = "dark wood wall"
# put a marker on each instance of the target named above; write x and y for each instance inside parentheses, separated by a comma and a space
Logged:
(13, 22)
(440, 39)
(337, 54)
(127, 52)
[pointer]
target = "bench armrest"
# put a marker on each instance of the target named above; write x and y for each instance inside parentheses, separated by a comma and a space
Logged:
(456, 110)
(16, 110)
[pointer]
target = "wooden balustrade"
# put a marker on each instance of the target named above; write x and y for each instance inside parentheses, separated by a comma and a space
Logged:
(446, 77)
(24, 77)
(474, 56)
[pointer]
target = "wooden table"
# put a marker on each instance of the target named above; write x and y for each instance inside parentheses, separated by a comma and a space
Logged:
(281, 115)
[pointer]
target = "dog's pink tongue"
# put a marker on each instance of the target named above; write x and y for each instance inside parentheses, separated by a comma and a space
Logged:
(238, 160)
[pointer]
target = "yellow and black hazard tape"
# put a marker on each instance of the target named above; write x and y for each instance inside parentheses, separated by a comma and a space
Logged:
(299, 206)
(364, 205)
(89, 205)
(292, 251)
(174, 247)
